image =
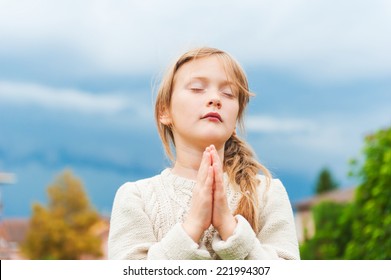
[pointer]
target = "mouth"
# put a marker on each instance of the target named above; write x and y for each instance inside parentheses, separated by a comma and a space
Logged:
(213, 116)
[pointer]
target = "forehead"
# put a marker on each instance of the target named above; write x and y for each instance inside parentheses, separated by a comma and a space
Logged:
(212, 67)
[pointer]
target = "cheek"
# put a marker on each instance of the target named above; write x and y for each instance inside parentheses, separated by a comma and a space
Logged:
(181, 108)
(235, 111)
(232, 117)
(176, 104)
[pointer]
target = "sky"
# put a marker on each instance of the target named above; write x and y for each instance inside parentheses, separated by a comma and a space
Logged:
(78, 80)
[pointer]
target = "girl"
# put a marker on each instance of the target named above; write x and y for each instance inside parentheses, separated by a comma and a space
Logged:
(211, 204)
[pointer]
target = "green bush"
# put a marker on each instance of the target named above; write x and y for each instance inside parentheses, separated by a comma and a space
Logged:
(372, 220)
(362, 229)
(333, 231)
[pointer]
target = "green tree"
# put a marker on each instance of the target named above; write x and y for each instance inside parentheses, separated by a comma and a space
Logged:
(63, 229)
(362, 229)
(333, 232)
(325, 182)
(372, 218)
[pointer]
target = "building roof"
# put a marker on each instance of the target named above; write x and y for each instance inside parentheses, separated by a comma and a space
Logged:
(14, 230)
(339, 195)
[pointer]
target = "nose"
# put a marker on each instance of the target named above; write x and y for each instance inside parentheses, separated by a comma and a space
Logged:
(215, 102)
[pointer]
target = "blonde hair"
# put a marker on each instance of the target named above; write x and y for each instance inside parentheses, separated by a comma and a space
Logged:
(239, 161)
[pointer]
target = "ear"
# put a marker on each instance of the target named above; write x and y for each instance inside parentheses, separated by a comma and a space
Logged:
(165, 118)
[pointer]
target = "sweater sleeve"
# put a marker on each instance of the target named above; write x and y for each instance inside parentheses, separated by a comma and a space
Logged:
(131, 232)
(277, 238)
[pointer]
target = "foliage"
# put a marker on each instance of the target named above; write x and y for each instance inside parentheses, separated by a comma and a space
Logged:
(372, 219)
(325, 182)
(362, 229)
(333, 231)
(63, 229)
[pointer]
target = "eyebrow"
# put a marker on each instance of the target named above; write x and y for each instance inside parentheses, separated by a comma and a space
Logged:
(205, 79)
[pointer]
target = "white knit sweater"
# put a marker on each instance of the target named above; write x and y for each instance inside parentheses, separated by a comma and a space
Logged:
(147, 216)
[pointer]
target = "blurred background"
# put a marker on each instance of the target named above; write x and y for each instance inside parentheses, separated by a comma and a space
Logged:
(78, 78)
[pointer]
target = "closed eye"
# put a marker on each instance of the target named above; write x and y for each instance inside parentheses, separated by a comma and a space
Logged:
(197, 87)
(197, 90)
(228, 92)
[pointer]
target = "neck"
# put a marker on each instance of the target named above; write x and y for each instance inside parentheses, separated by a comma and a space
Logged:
(188, 160)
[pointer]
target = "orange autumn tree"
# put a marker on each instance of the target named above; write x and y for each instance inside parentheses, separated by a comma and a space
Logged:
(63, 229)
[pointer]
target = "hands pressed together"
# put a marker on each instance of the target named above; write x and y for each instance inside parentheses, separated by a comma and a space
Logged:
(209, 204)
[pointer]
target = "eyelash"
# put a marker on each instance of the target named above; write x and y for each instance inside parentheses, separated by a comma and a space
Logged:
(228, 93)
(197, 89)
(201, 89)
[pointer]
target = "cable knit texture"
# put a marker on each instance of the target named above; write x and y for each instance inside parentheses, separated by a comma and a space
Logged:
(147, 217)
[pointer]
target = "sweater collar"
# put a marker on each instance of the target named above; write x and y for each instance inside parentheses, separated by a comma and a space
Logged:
(176, 180)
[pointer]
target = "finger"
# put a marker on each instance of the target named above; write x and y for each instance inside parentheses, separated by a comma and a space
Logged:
(209, 151)
(202, 170)
(204, 165)
(216, 158)
(209, 179)
(218, 177)
(209, 182)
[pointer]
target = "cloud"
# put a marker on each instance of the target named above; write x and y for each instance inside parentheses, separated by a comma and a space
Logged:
(303, 145)
(323, 39)
(100, 43)
(317, 139)
(67, 99)
(268, 124)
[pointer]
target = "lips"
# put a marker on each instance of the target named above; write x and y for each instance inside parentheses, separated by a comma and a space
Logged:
(213, 115)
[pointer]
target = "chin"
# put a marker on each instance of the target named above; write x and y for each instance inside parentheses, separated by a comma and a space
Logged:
(217, 140)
